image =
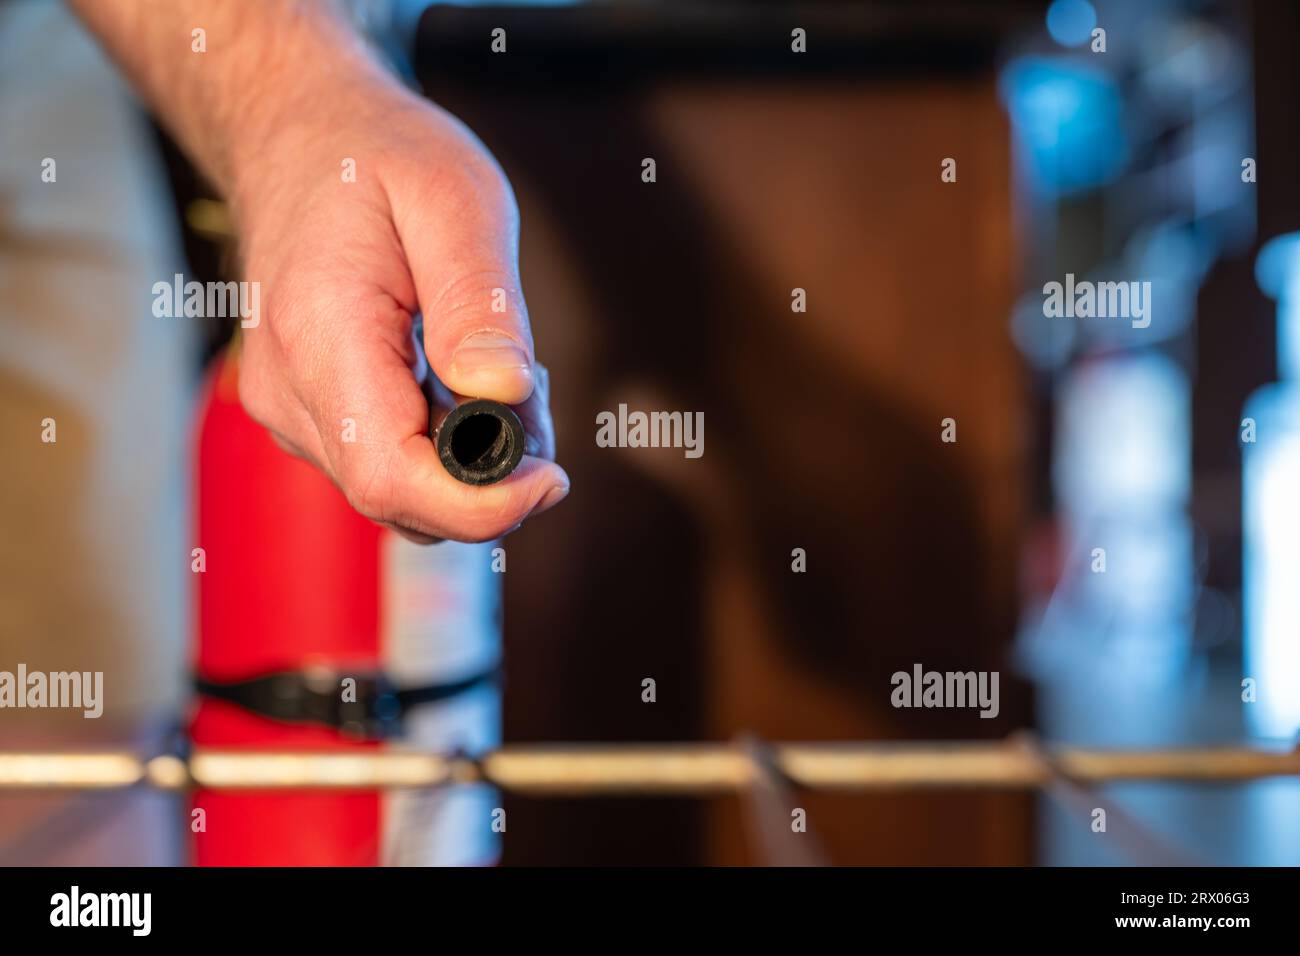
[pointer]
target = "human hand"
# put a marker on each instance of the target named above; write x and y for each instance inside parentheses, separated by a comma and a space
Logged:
(429, 224)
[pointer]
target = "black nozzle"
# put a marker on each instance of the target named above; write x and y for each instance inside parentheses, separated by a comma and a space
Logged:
(480, 442)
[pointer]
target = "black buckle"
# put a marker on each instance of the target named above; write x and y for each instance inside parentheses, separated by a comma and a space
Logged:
(317, 696)
(374, 708)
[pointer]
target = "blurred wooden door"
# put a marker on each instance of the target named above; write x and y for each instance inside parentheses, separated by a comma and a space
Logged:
(822, 432)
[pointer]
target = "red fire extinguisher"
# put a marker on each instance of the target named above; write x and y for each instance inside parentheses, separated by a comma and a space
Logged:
(319, 629)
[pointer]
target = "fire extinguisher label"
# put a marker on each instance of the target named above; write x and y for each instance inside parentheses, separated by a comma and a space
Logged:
(441, 623)
(440, 617)
(449, 826)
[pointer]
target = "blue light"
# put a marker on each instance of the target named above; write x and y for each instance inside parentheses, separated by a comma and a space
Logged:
(1070, 22)
(1271, 510)
(1271, 563)
(1068, 120)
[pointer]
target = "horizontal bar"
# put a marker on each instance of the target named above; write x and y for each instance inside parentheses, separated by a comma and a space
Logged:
(678, 769)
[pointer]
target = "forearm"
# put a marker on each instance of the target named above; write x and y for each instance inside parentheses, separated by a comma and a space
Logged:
(269, 69)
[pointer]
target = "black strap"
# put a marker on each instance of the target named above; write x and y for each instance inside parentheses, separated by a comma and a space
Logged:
(375, 707)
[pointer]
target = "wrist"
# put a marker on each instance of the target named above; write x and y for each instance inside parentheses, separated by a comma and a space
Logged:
(322, 89)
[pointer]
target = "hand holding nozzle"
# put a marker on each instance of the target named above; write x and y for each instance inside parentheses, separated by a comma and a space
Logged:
(479, 441)
(428, 221)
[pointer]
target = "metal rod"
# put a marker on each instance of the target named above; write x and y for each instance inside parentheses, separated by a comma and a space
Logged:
(678, 769)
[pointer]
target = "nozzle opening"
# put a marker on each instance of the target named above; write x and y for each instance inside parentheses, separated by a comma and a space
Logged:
(481, 442)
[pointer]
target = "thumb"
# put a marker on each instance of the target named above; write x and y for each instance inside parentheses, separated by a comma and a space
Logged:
(466, 274)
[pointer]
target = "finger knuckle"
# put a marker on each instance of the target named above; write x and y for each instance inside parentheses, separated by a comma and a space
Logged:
(486, 183)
